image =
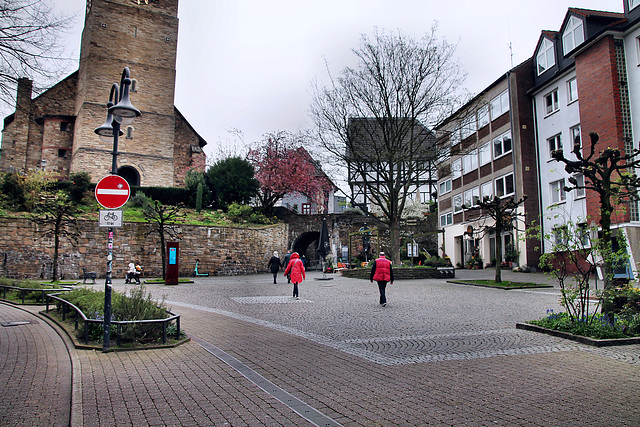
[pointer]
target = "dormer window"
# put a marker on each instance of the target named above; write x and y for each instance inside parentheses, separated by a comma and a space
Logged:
(573, 35)
(545, 58)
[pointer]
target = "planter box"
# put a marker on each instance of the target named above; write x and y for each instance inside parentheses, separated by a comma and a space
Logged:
(579, 338)
(404, 273)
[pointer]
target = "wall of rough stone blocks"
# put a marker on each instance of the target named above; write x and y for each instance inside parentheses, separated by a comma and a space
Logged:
(221, 250)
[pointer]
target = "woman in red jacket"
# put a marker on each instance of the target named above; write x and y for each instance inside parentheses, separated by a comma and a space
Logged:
(296, 269)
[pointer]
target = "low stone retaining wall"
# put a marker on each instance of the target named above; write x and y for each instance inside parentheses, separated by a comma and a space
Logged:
(404, 273)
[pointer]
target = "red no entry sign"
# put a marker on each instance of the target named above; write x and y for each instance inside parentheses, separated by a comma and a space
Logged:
(112, 191)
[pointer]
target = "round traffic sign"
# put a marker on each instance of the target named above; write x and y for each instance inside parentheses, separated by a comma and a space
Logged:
(112, 191)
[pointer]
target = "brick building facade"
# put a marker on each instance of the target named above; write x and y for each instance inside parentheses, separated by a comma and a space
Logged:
(55, 130)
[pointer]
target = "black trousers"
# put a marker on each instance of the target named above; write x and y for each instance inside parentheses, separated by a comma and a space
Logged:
(382, 285)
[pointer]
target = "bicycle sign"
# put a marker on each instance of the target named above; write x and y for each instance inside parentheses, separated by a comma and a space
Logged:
(110, 218)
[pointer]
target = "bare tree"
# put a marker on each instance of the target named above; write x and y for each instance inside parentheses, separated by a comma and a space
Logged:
(30, 39)
(163, 221)
(375, 118)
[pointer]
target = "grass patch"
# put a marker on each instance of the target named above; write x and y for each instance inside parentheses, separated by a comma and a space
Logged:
(505, 284)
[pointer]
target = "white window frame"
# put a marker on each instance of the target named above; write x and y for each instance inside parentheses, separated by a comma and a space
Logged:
(572, 90)
(456, 169)
(576, 134)
(500, 147)
(483, 116)
(486, 190)
(469, 126)
(545, 58)
(633, 4)
(551, 104)
(554, 143)
(484, 154)
(446, 219)
(579, 192)
(501, 186)
(446, 186)
(457, 202)
(573, 34)
(472, 197)
(558, 195)
(454, 137)
(499, 105)
(470, 162)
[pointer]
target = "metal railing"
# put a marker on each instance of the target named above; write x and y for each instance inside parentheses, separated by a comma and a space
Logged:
(68, 307)
(24, 291)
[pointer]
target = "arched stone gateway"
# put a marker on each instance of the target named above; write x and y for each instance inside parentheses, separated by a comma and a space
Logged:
(306, 244)
(130, 174)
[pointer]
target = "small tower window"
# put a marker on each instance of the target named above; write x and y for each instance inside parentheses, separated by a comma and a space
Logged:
(130, 132)
(65, 127)
(62, 153)
(134, 85)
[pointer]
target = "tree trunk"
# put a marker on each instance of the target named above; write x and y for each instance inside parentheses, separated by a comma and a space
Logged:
(498, 254)
(394, 238)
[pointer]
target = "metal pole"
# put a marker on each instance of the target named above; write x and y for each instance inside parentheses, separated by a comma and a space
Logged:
(106, 338)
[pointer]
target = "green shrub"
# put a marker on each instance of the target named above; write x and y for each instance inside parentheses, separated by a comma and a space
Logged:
(598, 326)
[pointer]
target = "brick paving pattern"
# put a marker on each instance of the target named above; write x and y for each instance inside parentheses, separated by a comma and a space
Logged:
(439, 354)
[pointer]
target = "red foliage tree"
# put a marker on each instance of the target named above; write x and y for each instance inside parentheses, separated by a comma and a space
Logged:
(283, 166)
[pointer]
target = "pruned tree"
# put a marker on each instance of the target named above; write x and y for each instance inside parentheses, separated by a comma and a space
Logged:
(56, 217)
(611, 174)
(282, 166)
(30, 39)
(376, 118)
(163, 222)
(504, 215)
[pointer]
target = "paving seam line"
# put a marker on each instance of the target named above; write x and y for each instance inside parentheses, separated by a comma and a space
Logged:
(298, 406)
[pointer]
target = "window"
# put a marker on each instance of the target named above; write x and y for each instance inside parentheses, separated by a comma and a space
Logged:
(62, 153)
(554, 143)
(561, 236)
(445, 187)
(456, 169)
(499, 105)
(471, 197)
(65, 126)
(551, 102)
(582, 232)
(545, 58)
(485, 154)
(557, 191)
(573, 35)
(486, 190)
(502, 145)
(454, 137)
(576, 136)
(469, 126)
(470, 162)
(580, 192)
(504, 186)
(483, 116)
(130, 132)
(446, 219)
(134, 85)
(572, 91)
(306, 209)
(457, 203)
(633, 4)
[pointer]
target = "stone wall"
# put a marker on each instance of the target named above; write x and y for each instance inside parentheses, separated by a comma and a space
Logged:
(24, 253)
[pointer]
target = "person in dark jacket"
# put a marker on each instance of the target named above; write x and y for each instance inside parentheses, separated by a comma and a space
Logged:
(285, 263)
(382, 272)
(274, 265)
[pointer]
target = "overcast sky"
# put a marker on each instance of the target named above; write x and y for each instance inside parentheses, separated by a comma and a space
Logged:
(248, 64)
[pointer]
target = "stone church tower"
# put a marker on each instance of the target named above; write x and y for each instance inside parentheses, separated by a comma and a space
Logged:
(55, 130)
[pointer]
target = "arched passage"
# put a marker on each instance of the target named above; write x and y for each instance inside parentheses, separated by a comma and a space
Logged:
(303, 245)
(130, 174)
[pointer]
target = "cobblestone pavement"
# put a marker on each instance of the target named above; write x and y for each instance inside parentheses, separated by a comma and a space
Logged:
(438, 354)
(35, 371)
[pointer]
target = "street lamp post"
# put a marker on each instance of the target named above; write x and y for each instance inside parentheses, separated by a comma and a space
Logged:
(120, 111)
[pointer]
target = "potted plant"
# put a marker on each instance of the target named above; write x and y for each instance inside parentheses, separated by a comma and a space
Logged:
(511, 255)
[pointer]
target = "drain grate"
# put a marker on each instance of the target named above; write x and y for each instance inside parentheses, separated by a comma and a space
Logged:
(17, 323)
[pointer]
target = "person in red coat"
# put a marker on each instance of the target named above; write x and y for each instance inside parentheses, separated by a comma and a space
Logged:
(296, 269)
(382, 272)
